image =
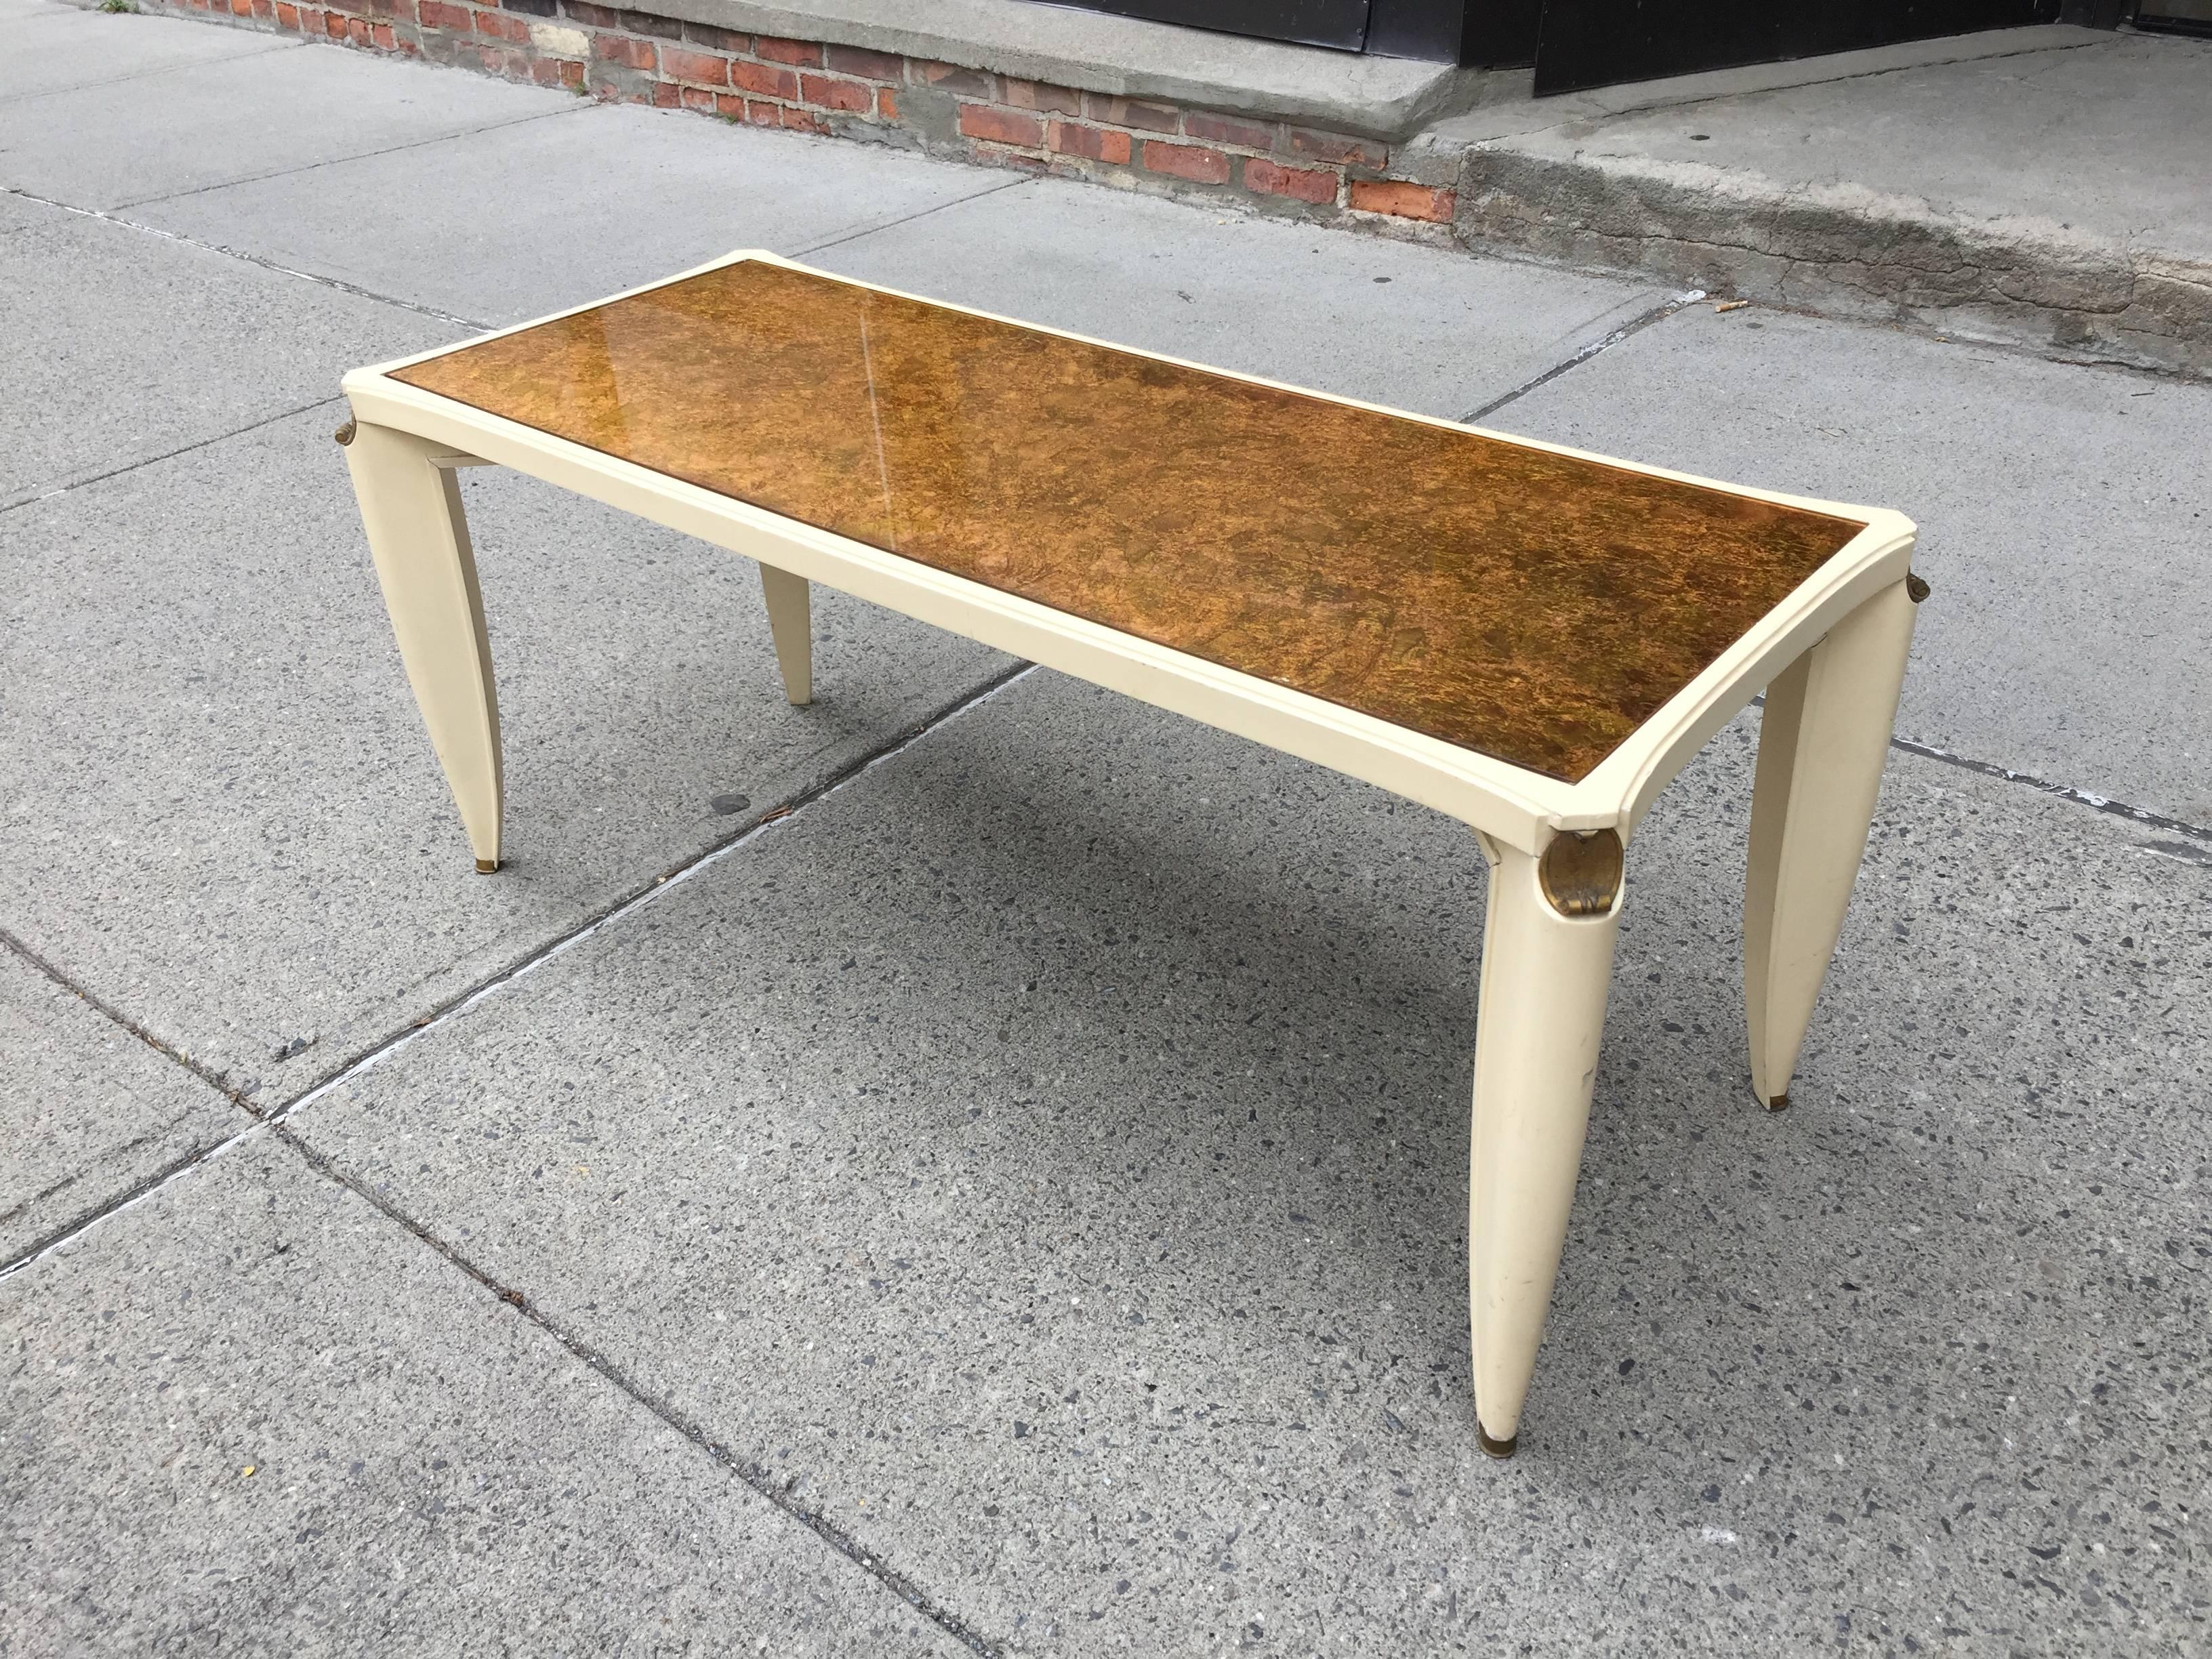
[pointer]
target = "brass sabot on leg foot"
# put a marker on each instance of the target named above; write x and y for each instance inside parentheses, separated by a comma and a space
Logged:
(1495, 1447)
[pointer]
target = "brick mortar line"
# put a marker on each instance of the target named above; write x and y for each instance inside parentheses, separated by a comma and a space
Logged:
(374, 1053)
(752, 1475)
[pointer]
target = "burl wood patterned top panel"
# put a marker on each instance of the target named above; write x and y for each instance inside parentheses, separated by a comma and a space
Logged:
(1527, 605)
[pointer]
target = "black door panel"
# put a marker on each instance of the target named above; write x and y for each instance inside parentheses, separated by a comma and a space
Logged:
(1596, 43)
(1340, 23)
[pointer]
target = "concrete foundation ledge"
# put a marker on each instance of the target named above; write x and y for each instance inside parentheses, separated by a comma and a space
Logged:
(1841, 250)
(1380, 97)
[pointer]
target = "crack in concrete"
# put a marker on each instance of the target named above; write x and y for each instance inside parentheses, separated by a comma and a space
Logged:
(775, 818)
(1658, 313)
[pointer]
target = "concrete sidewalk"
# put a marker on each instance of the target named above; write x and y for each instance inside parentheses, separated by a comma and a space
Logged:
(1013, 1202)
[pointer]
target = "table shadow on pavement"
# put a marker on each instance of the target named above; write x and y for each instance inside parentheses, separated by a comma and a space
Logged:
(1047, 1157)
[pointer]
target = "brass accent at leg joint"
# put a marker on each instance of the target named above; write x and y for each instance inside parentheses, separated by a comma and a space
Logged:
(485, 866)
(344, 434)
(1498, 1449)
(1915, 589)
(1580, 871)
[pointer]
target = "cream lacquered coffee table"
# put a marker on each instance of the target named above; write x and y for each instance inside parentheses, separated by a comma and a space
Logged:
(1528, 638)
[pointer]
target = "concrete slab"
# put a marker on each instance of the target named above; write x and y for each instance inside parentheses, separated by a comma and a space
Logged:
(88, 1112)
(2061, 511)
(252, 1405)
(1050, 1151)
(1417, 327)
(17, 211)
(246, 118)
(125, 345)
(54, 47)
(221, 809)
(590, 204)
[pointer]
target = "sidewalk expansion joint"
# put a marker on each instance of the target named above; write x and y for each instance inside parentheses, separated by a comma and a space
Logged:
(178, 237)
(776, 818)
(757, 1476)
(129, 1198)
(1658, 313)
(2104, 804)
(2119, 809)
(168, 454)
(571, 109)
(207, 1074)
(149, 74)
(845, 236)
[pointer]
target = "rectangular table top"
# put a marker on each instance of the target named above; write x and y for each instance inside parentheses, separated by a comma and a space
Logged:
(1528, 605)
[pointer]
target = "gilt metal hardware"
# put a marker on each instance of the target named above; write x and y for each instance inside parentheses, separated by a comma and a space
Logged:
(1580, 871)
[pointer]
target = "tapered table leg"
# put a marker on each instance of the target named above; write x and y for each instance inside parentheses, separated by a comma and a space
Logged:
(419, 537)
(1821, 745)
(791, 620)
(1546, 966)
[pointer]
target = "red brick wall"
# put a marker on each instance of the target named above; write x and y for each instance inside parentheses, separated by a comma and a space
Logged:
(849, 92)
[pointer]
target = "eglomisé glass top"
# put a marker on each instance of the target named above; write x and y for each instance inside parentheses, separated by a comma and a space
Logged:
(1527, 605)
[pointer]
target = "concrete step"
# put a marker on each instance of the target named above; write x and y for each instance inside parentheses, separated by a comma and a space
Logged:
(2038, 197)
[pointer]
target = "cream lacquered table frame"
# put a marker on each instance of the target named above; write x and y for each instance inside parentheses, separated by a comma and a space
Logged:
(1831, 658)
